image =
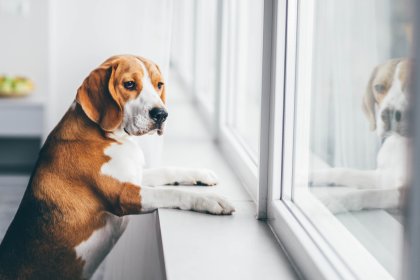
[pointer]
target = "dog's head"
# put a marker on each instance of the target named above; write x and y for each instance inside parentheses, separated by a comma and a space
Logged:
(125, 95)
(388, 88)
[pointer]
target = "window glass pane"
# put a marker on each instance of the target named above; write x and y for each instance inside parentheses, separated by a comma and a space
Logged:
(350, 125)
(182, 48)
(205, 52)
(244, 48)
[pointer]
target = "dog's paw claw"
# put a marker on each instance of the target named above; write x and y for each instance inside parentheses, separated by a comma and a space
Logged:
(219, 205)
(205, 177)
(199, 183)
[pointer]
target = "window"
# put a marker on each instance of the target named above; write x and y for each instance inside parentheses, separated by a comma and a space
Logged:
(205, 53)
(240, 88)
(224, 71)
(344, 147)
(243, 84)
(296, 93)
(182, 49)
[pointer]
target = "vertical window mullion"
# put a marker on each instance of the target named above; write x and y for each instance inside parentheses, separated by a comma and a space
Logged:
(267, 90)
(289, 102)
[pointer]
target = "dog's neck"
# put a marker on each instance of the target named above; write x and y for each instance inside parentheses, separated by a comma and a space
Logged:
(76, 126)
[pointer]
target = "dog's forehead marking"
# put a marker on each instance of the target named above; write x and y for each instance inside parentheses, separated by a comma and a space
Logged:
(395, 96)
(404, 74)
(143, 67)
(386, 75)
(148, 86)
(148, 72)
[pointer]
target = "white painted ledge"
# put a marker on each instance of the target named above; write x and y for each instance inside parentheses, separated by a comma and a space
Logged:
(203, 246)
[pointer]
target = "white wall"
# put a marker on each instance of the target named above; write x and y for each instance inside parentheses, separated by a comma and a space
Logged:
(24, 45)
(57, 45)
(24, 52)
(86, 33)
(83, 35)
(183, 44)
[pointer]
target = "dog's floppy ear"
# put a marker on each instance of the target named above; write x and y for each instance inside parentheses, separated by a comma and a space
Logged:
(98, 98)
(368, 103)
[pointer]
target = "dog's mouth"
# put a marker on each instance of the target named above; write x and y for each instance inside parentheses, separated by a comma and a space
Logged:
(159, 128)
(152, 128)
(159, 131)
(150, 132)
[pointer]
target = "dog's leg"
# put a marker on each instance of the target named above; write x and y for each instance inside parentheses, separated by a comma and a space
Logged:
(364, 179)
(363, 199)
(154, 198)
(127, 199)
(171, 175)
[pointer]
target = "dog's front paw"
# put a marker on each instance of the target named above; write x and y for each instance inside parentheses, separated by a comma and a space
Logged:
(204, 177)
(214, 204)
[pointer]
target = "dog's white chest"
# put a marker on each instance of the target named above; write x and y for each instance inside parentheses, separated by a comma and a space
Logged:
(127, 161)
(392, 162)
(126, 165)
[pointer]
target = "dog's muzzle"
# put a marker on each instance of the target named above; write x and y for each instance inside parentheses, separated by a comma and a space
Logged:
(394, 120)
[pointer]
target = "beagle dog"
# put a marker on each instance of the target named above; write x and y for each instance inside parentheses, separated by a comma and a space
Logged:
(380, 188)
(89, 177)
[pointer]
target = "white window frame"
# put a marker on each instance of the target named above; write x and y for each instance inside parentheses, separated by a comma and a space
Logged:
(314, 257)
(203, 104)
(235, 150)
(231, 144)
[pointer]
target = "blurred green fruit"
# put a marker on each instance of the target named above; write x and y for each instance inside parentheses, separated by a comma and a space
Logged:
(7, 78)
(6, 85)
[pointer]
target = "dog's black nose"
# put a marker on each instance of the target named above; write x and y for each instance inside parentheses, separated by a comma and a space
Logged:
(159, 115)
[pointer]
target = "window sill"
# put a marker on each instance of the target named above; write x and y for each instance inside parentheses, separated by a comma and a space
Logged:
(240, 160)
(309, 249)
(202, 246)
(377, 230)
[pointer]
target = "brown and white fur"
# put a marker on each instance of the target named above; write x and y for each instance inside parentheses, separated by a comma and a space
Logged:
(382, 187)
(89, 177)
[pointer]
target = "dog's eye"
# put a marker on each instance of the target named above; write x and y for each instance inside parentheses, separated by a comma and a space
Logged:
(129, 85)
(160, 85)
(380, 88)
